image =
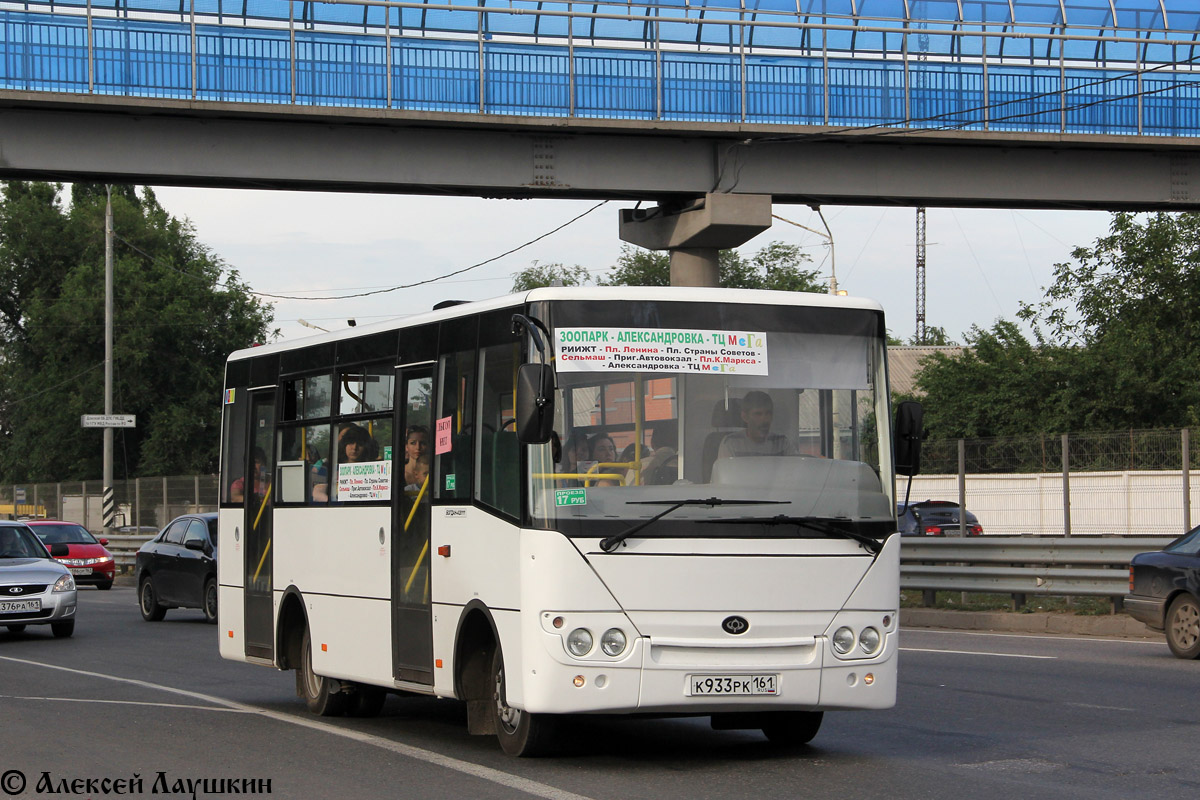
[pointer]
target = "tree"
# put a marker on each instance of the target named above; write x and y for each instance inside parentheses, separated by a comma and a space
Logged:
(1113, 344)
(178, 313)
(776, 266)
(536, 275)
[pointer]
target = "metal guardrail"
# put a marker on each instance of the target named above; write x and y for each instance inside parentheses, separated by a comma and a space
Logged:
(124, 549)
(1080, 566)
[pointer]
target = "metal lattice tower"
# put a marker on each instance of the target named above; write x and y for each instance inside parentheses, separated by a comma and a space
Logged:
(920, 337)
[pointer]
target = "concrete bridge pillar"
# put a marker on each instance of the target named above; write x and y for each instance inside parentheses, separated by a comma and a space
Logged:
(694, 232)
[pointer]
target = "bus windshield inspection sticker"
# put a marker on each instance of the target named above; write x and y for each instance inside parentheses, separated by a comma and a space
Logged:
(660, 350)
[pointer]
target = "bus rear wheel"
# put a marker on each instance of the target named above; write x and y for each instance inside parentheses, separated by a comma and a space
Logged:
(322, 695)
(520, 733)
(792, 728)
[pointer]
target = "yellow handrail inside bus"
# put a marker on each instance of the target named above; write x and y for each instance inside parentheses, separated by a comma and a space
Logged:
(424, 548)
(257, 518)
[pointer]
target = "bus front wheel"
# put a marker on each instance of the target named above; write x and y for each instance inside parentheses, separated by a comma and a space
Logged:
(322, 695)
(791, 728)
(520, 733)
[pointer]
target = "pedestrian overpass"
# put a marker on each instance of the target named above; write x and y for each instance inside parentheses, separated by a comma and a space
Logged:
(1034, 103)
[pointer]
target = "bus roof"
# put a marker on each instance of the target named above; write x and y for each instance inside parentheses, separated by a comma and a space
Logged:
(677, 294)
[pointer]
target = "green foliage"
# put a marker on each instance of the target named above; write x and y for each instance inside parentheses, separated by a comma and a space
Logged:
(178, 312)
(537, 275)
(776, 266)
(1113, 344)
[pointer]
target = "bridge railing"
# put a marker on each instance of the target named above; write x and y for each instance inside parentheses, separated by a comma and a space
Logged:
(619, 61)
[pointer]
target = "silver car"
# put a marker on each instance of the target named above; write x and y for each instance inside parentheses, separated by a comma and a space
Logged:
(34, 588)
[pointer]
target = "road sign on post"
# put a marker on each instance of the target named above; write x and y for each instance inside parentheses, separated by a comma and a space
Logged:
(109, 420)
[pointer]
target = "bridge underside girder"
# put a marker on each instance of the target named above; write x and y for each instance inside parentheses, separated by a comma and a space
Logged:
(252, 146)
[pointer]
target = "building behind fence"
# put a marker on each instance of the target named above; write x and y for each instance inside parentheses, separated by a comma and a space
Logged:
(1124, 483)
(147, 503)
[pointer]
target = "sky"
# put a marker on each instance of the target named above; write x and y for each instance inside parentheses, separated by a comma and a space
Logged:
(980, 264)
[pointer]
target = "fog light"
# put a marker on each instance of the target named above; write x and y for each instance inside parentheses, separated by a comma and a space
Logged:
(579, 681)
(579, 642)
(843, 640)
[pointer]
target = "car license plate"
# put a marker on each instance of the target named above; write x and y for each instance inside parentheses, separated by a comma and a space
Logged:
(81, 570)
(733, 685)
(17, 606)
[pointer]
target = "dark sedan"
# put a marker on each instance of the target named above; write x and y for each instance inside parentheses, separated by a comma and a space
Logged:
(934, 518)
(178, 568)
(1164, 592)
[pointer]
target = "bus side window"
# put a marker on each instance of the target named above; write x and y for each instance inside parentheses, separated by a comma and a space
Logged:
(498, 483)
(456, 407)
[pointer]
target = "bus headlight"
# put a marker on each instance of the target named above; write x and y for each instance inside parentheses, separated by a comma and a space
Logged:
(579, 642)
(613, 642)
(869, 641)
(843, 640)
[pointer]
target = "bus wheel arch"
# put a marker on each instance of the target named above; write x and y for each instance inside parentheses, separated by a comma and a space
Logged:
(290, 629)
(474, 643)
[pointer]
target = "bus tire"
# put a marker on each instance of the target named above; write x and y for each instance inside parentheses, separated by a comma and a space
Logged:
(367, 701)
(322, 695)
(152, 610)
(520, 733)
(792, 728)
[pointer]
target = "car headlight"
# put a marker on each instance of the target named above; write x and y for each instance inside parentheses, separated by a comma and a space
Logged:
(613, 642)
(579, 642)
(843, 640)
(869, 641)
(64, 584)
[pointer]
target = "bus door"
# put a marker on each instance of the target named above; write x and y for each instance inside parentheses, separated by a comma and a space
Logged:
(412, 617)
(258, 489)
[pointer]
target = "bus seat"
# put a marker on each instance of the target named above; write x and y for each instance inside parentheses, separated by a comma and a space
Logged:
(724, 421)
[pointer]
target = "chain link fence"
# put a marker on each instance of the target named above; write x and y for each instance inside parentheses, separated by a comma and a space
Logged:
(142, 504)
(1135, 482)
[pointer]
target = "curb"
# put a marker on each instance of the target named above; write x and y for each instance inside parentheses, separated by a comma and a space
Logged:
(1047, 623)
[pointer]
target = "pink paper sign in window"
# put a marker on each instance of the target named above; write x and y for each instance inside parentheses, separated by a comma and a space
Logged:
(441, 436)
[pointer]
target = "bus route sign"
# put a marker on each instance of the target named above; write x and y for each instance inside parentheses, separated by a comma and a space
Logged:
(660, 350)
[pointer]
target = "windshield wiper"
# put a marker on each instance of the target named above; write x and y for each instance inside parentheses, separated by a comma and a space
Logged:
(610, 544)
(825, 525)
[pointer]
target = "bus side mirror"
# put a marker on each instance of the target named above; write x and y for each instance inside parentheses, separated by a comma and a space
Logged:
(535, 403)
(908, 433)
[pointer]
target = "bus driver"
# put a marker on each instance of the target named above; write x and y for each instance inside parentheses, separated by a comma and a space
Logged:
(757, 440)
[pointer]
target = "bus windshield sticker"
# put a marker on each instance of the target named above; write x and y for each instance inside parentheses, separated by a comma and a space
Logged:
(230, 394)
(570, 497)
(660, 350)
(450, 482)
(362, 481)
(441, 441)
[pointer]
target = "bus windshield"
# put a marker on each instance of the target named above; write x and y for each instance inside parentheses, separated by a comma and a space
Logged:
(774, 410)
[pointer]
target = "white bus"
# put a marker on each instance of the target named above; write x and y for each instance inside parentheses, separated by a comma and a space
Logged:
(572, 501)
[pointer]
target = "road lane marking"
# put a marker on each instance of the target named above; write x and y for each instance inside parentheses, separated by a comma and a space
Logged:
(1043, 636)
(430, 757)
(121, 703)
(974, 653)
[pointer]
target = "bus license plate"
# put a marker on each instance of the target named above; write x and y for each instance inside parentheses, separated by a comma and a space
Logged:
(733, 685)
(16, 606)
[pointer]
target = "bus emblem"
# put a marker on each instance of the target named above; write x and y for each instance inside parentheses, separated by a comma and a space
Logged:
(735, 625)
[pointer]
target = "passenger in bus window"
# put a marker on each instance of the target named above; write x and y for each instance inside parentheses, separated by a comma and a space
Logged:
(237, 490)
(757, 440)
(416, 445)
(574, 450)
(416, 473)
(602, 450)
(354, 445)
(662, 467)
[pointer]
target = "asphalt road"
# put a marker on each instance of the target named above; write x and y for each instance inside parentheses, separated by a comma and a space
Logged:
(979, 716)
